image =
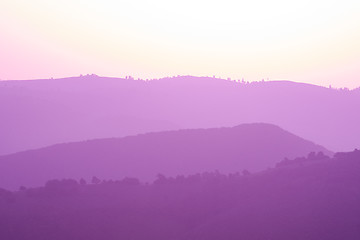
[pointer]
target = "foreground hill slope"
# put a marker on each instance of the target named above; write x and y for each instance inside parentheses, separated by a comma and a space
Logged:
(248, 146)
(311, 198)
(41, 113)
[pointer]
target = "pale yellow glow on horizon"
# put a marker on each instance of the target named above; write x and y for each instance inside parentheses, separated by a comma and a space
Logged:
(308, 41)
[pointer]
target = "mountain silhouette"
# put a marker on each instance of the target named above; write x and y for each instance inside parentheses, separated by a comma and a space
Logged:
(250, 147)
(41, 113)
(318, 199)
(314, 201)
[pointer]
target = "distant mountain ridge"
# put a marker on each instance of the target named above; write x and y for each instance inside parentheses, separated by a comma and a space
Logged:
(253, 147)
(41, 113)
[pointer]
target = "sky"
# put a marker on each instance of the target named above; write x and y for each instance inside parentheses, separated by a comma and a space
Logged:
(312, 41)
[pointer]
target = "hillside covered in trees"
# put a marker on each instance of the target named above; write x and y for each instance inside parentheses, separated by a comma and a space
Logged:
(40, 113)
(253, 147)
(315, 197)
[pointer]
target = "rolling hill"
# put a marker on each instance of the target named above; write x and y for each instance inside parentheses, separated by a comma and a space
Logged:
(253, 147)
(39, 113)
(315, 198)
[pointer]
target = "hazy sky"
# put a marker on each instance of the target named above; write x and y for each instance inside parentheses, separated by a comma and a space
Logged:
(315, 41)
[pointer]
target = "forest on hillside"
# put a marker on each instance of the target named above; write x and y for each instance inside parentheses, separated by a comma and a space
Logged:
(304, 198)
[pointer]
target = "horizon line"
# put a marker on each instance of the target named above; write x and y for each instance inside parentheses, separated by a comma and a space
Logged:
(129, 77)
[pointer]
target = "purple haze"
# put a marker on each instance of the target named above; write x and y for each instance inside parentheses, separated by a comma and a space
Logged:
(184, 158)
(40, 113)
(253, 147)
(310, 198)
